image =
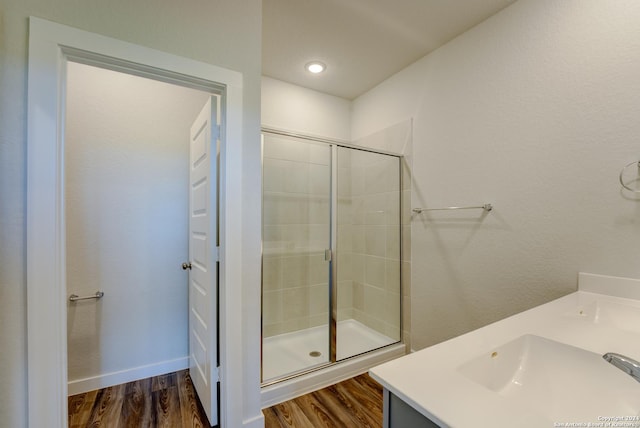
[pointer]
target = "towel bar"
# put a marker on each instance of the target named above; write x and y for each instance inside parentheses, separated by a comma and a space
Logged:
(486, 207)
(75, 297)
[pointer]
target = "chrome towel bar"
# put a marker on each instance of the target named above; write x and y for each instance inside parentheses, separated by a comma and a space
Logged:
(486, 207)
(75, 297)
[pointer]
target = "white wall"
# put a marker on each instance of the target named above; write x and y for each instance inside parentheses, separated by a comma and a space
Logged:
(293, 108)
(202, 31)
(127, 175)
(534, 110)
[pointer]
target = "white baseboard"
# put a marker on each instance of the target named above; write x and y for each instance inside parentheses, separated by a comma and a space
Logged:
(255, 422)
(79, 386)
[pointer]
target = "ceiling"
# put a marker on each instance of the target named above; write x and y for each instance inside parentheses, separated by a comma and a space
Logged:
(362, 42)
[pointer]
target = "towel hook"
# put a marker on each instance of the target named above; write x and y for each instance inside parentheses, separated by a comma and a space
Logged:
(622, 172)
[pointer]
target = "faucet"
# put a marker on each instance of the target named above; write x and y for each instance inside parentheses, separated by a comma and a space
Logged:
(626, 364)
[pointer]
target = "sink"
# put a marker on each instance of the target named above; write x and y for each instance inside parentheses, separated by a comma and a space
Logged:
(559, 381)
(609, 314)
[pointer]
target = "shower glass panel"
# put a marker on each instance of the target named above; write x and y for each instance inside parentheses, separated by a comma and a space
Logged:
(331, 253)
(368, 251)
(296, 233)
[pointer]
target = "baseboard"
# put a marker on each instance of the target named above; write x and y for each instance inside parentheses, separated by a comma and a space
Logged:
(79, 386)
(255, 422)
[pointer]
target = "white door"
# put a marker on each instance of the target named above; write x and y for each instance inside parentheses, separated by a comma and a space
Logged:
(203, 257)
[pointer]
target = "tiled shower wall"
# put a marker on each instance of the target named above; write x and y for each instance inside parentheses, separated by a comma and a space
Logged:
(296, 232)
(296, 218)
(395, 139)
(369, 238)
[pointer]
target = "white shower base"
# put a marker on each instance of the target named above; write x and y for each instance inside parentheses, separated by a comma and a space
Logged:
(288, 353)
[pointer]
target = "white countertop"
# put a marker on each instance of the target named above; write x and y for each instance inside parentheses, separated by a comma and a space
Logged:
(430, 381)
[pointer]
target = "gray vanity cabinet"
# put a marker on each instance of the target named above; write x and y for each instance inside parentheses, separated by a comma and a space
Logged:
(398, 414)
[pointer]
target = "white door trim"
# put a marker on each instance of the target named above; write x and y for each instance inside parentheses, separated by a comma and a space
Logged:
(50, 46)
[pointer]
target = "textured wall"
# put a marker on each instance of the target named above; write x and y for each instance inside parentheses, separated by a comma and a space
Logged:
(534, 110)
(200, 30)
(294, 108)
(127, 174)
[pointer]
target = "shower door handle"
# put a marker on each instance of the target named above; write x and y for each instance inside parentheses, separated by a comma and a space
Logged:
(186, 265)
(327, 255)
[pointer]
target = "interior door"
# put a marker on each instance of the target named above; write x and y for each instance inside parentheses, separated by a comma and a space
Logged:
(203, 256)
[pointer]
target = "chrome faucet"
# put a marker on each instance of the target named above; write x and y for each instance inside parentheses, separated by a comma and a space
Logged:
(626, 364)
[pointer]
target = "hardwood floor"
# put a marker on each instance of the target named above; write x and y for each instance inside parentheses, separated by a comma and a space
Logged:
(170, 401)
(162, 401)
(355, 402)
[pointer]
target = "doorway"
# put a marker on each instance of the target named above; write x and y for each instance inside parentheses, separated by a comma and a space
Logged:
(51, 47)
(127, 216)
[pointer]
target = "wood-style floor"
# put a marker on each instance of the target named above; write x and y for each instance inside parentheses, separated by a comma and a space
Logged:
(162, 401)
(170, 401)
(355, 402)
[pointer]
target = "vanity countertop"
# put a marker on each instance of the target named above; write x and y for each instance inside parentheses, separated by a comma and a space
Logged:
(599, 317)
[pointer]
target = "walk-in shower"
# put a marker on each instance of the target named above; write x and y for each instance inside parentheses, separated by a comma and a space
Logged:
(331, 254)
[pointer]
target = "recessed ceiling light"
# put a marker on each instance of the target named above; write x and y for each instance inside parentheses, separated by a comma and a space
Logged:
(315, 67)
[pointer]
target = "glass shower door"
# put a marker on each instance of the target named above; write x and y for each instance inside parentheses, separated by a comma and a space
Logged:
(368, 251)
(295, 274)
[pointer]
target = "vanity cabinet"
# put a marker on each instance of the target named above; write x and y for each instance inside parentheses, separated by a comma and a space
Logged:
(398, 414)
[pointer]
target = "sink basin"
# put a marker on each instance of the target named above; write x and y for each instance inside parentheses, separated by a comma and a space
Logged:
(609, 314)
(559, 381)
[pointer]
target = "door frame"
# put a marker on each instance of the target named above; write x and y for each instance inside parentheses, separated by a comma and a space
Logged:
(51, 45)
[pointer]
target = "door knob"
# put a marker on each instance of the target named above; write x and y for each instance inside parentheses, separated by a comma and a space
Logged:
(186, 266)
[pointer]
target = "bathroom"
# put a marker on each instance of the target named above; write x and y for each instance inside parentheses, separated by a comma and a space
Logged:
(533, 110)
(529, 111)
